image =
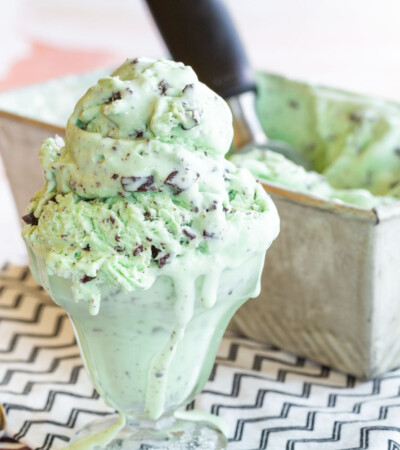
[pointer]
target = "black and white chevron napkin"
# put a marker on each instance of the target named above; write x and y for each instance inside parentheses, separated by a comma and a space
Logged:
(271, 399)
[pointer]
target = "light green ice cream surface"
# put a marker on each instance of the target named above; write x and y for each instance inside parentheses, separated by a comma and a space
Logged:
(351, 141)
(141, 183)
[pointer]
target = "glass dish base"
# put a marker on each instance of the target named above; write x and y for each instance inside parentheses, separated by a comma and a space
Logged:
(164, 434)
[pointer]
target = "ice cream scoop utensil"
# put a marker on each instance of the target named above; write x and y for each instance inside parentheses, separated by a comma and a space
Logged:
(202, 34)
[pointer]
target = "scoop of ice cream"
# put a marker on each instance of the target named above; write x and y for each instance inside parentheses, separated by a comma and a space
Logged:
(141, 188)
(122, 125)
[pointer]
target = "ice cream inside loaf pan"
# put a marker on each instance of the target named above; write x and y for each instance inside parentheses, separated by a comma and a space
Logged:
(352, 141)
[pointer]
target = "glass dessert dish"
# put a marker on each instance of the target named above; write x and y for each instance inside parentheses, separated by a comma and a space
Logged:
(150, 352)
(150, 240)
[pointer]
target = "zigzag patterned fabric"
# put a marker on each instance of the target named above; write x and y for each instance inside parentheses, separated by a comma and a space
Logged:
(271, 399)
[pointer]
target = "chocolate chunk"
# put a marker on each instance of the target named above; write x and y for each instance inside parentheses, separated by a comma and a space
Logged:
(208, 234)
(114, 176)
(117, 237)
(154, 252)
(187, 87)
(139, 134)
(30, 219)
(87, 248)
(119, 249)
(52, 199)
(169, 180)
(138, 250)
(394, 184)
(181, 183)
(212, 207)
(86, 279)
(355, 117)
(137, 184)
(189, 234)
(116, 95)
(163, 86)
(163, 260)
(193, 116)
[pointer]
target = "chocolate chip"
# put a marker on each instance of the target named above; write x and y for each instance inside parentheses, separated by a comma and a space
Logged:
(163, 86)
(159, 375)
(187, 87)
(30, 219)
(394, 184)
(293, 104)
(53, 199)
(193, 116)
(138, 250)
(185, 182)
(114, 176)
(86, 279)
(119, 249)
(115, 148)
(116, 95)
(137, 184)
(117, 237)
(213, 206)
(112, 220)
(135, 61)
(189, 234)
(208, 234)
(397, 151)
(87, 248)
(355, 117)
(139, 134)
(147, 215)
(154, 252)
(163, 260)
(169, 181)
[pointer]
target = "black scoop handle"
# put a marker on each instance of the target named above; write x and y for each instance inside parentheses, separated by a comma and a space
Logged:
(201, 34)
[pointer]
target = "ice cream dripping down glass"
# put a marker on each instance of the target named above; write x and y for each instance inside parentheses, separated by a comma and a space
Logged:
(149, 353)
(150, 240)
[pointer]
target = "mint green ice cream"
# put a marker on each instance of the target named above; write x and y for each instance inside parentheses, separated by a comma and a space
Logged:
(141, 182)
(146, 234)
(351, 141)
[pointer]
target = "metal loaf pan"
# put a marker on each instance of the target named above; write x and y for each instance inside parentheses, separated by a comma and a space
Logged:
(331, 283)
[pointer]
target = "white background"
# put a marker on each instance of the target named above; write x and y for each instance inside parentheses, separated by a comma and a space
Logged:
(352, 44)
